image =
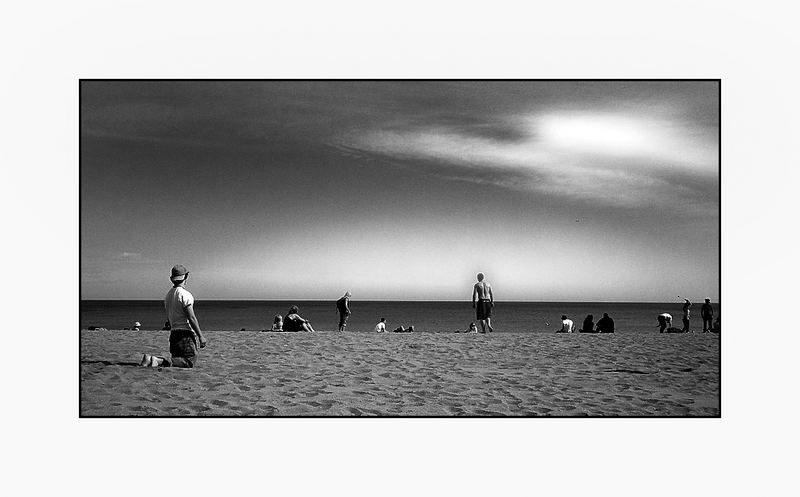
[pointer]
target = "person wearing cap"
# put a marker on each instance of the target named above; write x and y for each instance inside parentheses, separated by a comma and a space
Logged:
(343, 308)
(185, 329)
(707, 313)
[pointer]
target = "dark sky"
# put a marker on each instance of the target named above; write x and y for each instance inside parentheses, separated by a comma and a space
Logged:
(401, 190)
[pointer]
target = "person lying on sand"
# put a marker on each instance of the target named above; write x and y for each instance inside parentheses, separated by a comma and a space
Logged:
(293, 321)
(471, 328)
(400, 329)
(185, 330)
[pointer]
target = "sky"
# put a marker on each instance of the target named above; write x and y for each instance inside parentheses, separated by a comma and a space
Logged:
(557, 191)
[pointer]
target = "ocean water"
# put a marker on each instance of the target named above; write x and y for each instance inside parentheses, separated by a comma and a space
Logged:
(425, 316)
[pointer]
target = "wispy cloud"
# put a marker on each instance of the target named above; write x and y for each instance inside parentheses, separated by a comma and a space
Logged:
(603, 158)
(135, 258)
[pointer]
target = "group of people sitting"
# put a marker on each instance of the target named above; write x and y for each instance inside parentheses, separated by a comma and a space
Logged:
(604, 325)
(292, 322)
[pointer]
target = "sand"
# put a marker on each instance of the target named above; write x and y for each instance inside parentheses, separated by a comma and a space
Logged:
(421, 374)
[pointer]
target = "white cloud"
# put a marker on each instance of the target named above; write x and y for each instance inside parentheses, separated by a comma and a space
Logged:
(600, 158)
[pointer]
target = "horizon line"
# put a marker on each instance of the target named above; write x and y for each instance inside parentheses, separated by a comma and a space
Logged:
(404, 300)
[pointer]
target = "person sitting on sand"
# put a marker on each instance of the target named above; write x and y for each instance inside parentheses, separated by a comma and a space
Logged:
(588, 324)
(136, 326)
(473, 328)
(605, 324)
(381, 326)
(664, 320)
(185, 329)
(293, 321)
(277, 323)
(567, 325)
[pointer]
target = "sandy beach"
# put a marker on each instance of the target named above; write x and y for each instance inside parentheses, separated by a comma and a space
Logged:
(422, 374)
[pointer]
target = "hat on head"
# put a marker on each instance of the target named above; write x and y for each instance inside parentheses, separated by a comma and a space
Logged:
(137, 324)
(179, 272)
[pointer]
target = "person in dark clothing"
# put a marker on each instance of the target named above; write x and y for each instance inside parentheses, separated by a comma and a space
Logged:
(605, 324)
(707, 313)
(588, 324)
(293, 321)
(343, 309)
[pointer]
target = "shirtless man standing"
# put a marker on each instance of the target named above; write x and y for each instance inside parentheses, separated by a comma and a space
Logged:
(482, 293)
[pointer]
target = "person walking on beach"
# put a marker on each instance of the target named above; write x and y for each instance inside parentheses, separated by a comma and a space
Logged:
(686, 306)
(483, 297)
(567, 325)
(185, 330)
(605, 324)
(343, 308)
(707, 313)
(381, 326)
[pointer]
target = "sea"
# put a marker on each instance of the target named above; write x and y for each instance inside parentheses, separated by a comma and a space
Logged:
(425, 316)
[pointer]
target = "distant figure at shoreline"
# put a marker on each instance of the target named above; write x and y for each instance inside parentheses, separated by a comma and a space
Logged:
(686, 306)
(664, 320)
(185, 329)
(588, 325)
(484, 298)
(277, 323)
(136, 326)
(567, 325)
(471, 328)
(381, 326)
(707, 314)
(605, 324)
(343, 308)
(293, 321)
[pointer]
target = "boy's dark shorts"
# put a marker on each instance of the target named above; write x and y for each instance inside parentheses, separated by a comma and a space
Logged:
(183, 347)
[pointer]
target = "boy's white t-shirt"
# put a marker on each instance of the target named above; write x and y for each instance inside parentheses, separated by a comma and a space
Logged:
(177, 299)
(567, 325)
(380, 327)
